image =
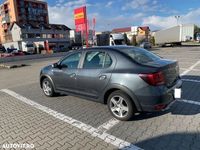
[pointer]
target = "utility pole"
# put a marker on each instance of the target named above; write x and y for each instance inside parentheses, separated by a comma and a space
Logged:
(177, 19)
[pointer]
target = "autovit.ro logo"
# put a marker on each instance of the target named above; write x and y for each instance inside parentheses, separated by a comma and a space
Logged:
(20, 146)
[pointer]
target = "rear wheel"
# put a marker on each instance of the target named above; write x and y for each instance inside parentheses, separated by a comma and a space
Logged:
(47, 88)
(121, 106)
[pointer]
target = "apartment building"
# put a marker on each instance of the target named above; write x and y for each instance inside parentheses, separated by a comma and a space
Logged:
(22, 11)
(35, 35)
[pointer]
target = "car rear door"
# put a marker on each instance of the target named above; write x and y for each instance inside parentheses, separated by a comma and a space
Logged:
(95, 73)
(65, 76)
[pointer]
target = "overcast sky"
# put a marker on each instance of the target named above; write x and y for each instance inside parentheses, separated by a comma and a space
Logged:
(123, 13)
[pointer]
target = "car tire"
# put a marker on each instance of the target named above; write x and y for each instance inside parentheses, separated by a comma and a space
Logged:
(47, 88)
(121, 106)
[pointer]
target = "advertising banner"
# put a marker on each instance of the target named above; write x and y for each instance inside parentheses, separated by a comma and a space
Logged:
(80, 18)
(80, 15)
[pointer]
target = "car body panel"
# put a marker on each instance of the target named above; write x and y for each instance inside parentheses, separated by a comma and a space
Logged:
(64, 79)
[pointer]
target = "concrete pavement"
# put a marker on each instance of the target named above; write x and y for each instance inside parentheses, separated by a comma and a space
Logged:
(176, 128)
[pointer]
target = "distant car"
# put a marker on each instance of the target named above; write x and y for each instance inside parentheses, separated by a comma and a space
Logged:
(145, 45)
(2, 49)
(127, 79)
(18, 53)
(187, 38)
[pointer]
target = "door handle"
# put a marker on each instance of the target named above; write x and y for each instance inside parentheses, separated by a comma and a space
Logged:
(72, 75)
(102, 77)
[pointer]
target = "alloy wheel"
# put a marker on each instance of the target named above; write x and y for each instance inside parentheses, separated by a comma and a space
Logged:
(119, 106)
(47, 88)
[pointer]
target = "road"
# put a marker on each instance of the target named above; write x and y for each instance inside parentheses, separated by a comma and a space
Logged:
(67, 122)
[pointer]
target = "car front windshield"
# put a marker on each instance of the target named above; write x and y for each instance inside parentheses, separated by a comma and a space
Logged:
(140, 55)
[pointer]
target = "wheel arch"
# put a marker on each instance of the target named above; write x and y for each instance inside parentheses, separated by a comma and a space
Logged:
(44, 77)
(116, 87)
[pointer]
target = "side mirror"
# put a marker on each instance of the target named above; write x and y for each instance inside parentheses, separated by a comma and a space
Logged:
(64, 66)
(56, 65)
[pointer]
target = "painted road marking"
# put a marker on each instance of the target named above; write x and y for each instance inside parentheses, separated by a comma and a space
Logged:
(190, 68)
(108, 125)
(189, 101)
(190, 80)
(121, 144)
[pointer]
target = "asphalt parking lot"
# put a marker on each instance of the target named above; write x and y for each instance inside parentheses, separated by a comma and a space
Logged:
(67, 122)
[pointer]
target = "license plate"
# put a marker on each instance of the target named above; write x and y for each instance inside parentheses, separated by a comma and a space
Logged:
(177, 93)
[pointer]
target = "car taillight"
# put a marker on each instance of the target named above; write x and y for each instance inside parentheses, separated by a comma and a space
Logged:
(153, 78)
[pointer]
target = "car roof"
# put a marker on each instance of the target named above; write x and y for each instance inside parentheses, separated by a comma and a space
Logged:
(109, 48)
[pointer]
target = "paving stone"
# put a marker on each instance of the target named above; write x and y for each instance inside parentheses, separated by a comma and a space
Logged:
(56, 135)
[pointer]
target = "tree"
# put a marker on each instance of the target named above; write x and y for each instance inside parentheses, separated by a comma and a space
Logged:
(126, 39)
(196, 30)
(152, 40)
(134, 42)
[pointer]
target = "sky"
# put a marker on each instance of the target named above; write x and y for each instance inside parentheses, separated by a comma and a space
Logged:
(109, 14)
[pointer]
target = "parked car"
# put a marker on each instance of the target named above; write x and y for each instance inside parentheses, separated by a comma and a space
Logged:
(127, 79)
(145, 45)
(2, 49)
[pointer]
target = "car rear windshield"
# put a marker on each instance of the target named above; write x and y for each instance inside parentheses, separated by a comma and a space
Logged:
(140, 55)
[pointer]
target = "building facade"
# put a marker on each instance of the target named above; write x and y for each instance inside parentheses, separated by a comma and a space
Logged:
(35, 34)
(141, 33)
(23, 11)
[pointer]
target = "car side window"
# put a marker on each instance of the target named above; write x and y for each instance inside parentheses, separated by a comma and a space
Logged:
(71, 62)
(96, 60)
(108, 61)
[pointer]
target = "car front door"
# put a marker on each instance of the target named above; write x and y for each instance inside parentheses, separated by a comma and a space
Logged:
(65, 73)
(94, 74)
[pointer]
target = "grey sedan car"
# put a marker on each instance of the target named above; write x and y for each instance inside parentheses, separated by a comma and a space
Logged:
(128, 79)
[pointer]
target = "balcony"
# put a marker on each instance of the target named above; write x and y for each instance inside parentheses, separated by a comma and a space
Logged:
(5, 19)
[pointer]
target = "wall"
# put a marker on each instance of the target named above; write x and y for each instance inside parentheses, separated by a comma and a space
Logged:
(11, 45)
(141, 32)
(16, 33)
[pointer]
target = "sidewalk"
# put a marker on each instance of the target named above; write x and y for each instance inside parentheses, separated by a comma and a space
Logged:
(23, 124)
(31, 57)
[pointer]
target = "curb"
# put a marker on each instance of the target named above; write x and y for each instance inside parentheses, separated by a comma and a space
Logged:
(12, 66)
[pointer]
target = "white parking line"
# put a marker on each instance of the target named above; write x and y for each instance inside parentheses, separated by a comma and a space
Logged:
(190, 80)
(108, 125)
(190, 68)
(189, 101)
(121, 144)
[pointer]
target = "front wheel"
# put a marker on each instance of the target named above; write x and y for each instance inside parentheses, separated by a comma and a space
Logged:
(47, 88)
(121, 106)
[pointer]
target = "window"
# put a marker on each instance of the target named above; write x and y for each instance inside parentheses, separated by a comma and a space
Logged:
(71, 62)
(140, 55)
(24, 36)
(29, 45)
(108, 61)
(44, 35)
(31, 35)
(49, 36)
(95, 60)
(38, 35)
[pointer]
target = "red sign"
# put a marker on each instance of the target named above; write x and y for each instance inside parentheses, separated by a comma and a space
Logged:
(80, 16)
(81, 27)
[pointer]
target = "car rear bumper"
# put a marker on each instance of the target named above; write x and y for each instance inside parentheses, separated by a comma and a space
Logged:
(160, 102)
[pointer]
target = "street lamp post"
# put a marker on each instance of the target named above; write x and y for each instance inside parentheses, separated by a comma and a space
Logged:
(177, 18)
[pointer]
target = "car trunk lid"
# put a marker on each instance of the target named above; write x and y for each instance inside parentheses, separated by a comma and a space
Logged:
(169, 68)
